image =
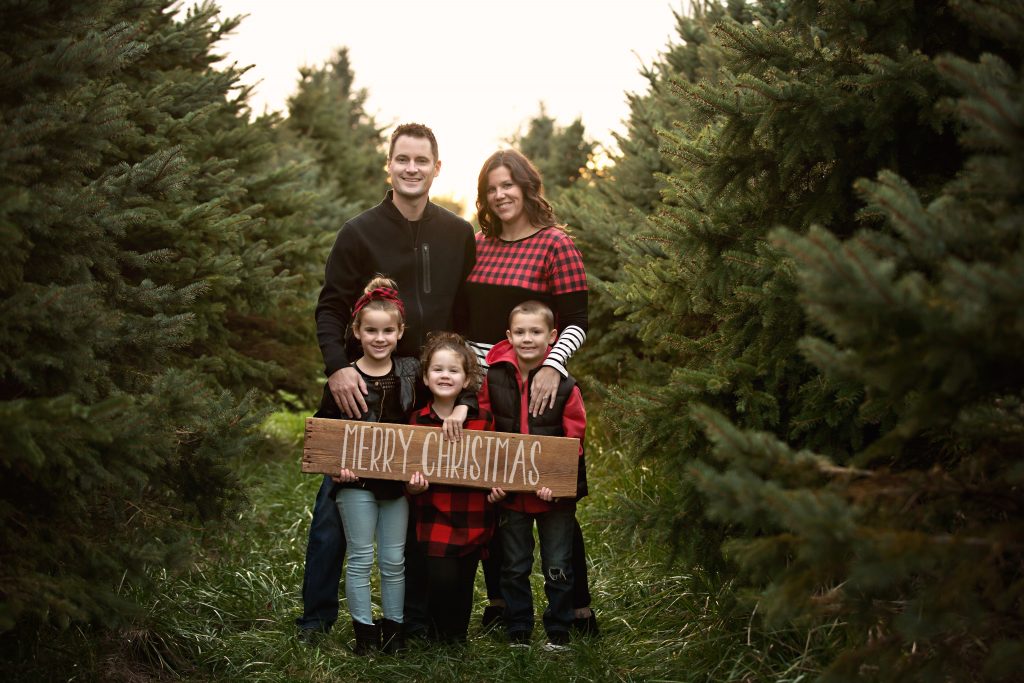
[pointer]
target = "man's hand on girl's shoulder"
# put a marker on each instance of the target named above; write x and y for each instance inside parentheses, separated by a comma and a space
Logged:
(348, 389)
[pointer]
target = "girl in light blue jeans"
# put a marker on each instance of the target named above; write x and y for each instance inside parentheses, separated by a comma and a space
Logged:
(364, 517)
(373, 508)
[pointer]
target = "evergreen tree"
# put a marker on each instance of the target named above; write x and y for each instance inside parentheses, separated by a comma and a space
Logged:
(610, 208)
(252, 239)
(560, 153)
(341, 150)
(89, 412)
(329, 115)
(843, 402)
(152, 243)
(917, 540)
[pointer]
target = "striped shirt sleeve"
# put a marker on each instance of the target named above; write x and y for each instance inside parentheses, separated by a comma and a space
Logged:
(569, 342)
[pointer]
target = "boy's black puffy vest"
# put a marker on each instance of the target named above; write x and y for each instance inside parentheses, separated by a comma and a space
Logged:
(504, 394)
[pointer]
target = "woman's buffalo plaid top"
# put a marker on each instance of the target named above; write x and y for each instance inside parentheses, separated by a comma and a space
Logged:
(453, 521)
(545, 266)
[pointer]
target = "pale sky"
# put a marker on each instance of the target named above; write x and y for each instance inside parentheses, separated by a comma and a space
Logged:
(475, 71)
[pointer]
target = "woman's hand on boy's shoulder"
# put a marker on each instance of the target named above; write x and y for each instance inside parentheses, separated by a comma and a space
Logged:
(543, 390)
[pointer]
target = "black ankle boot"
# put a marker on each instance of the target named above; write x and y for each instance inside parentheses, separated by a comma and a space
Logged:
(492, 616)
(367, 638)
(392, 639)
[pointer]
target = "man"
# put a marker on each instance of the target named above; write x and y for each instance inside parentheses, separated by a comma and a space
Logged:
(428, 251)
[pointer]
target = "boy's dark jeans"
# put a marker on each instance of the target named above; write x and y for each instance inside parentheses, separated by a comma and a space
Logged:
(554, 529)
(325, 553)
(580, 580)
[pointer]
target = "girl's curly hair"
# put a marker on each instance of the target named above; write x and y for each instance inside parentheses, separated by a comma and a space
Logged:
(450, 341)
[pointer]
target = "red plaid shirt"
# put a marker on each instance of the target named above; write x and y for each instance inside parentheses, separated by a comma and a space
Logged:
(547, 262)
(545, 266)
(453, 521)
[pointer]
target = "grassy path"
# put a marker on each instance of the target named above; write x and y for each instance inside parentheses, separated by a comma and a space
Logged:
(229, 618)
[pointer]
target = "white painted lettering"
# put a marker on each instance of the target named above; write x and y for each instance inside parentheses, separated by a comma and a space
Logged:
(518, 462)
(458, 451)
(427, 470)
(362, 446)
(387, 449)
(465, 457)
(376, 448)
(444, 458)
(349, 430)
(487, 459)
(501, 447)
(534, 474)
(474, 469)
(405, 448)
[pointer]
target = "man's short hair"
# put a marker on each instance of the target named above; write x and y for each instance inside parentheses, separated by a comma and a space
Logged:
(533, 307)
(414, 130)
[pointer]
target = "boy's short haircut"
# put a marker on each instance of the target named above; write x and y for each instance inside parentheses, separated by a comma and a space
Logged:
(533, 307)
(414, 130)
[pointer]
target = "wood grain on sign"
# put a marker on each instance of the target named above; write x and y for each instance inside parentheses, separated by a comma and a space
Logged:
(376, 450)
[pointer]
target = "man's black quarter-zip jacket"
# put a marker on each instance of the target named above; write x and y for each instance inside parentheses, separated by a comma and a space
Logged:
(429, 259)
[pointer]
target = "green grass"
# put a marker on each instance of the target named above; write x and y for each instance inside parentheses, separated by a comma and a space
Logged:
(229, 617)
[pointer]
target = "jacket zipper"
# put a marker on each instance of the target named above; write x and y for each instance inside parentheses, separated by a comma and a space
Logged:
(416, 264)
(426, 268)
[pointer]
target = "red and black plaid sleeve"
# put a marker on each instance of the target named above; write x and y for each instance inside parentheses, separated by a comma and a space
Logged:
(565, 263)
(452, 521)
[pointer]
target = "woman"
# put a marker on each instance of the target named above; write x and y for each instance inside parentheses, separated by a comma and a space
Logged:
(523, 253)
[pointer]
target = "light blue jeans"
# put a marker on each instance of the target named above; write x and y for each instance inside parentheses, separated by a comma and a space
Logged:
(364, 517)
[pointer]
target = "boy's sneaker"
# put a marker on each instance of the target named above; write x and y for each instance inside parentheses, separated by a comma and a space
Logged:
(492, 616)
(519, 639)
(586, 626)
(558, 641)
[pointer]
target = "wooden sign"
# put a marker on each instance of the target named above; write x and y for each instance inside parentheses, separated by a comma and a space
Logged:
(376, 450)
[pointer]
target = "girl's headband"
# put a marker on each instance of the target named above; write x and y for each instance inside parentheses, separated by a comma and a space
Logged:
(380, 294)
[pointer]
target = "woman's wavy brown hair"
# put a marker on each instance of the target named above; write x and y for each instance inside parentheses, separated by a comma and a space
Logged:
(525, 175)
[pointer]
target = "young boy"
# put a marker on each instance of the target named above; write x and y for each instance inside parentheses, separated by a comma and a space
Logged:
(531, 331)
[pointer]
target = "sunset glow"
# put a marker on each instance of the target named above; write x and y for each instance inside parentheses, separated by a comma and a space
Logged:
(476, 72)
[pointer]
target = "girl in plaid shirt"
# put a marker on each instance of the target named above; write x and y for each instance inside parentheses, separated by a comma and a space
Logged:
(454, 524)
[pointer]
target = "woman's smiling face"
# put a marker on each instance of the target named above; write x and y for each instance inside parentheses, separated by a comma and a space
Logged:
(504, 197)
